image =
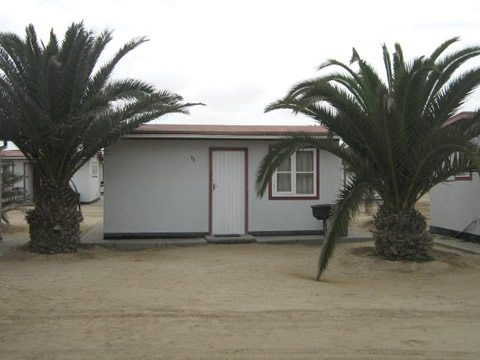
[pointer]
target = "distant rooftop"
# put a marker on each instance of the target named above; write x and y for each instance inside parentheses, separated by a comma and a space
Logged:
(10, 154)
(459, 116)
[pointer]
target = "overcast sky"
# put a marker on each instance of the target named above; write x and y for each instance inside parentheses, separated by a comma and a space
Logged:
(238, 56)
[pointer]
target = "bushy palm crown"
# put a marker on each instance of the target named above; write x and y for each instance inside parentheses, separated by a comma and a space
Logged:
(394, 138)
(60, 107)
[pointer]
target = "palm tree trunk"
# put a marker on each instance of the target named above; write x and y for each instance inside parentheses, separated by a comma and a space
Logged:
(55, 220)
(401, 235)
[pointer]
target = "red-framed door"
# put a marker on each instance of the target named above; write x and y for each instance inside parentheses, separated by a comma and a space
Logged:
(228, 191)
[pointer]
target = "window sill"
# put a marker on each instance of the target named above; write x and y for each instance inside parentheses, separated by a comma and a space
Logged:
(293, 197)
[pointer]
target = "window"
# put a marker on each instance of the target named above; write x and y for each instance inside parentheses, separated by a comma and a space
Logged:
(467, 176)
(7, 166)
(94, 170)
(297, 177)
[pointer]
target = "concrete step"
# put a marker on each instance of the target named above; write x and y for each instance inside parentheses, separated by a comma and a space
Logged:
(290, 239)
(452, 243)
(240, 239)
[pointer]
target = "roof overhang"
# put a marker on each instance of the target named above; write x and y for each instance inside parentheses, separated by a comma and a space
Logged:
(206, 136)
(222, 132)
(13, 155)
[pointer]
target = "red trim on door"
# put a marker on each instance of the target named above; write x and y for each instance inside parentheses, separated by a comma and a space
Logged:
(246, 190)
(316, 197)
(210, 182)
(210, 153)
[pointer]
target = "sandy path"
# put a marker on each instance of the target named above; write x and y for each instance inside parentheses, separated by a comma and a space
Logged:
(237, 302)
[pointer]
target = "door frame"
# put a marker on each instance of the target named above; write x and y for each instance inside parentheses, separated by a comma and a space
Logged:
(210, 183)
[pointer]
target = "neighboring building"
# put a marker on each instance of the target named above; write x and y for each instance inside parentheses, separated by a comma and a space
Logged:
(15, 162)
(455, 204)
(455, 207)
(86, 180)
(193, 180)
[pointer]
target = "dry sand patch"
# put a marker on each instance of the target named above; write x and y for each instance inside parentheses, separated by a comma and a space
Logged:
(237, 302)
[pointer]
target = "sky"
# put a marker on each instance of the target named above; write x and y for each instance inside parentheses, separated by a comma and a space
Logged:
(239, 56)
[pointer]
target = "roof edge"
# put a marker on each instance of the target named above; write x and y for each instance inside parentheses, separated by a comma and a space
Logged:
(228, 130)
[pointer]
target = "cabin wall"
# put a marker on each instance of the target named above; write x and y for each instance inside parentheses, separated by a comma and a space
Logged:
(162, 187)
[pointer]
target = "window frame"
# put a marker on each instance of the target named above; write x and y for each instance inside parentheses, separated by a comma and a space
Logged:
(94, 170)
(466, 176)
(292, 195)
(8, 165)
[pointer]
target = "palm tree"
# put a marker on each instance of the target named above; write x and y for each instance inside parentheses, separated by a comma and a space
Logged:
(60, 107)
(395, 141)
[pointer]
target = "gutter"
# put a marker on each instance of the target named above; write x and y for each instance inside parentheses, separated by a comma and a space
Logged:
(210, 136)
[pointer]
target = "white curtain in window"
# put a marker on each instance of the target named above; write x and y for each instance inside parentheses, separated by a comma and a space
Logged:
(304, 176)
(304, 183)
(284, 176)
(284, 182)
(305, 161)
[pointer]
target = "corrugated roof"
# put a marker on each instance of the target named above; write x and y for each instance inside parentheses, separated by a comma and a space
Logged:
(227, 129)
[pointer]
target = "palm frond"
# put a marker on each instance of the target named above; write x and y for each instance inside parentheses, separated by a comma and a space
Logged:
(445, 68)
(60, 109)
(101, 77)
(345, 209)
(388, 65)
(441, 49)
(448, 101)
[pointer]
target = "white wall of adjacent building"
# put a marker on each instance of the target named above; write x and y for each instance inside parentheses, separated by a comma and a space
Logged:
(455, 205)
(87, 181)
(162, 186)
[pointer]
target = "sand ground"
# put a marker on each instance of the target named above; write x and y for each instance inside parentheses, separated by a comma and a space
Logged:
(238, 302)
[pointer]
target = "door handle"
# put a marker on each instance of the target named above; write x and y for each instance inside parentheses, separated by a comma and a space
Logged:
(214, 186)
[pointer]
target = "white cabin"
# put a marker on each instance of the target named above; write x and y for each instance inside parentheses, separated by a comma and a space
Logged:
(195, 180)
(455, 207)
(455, 204)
